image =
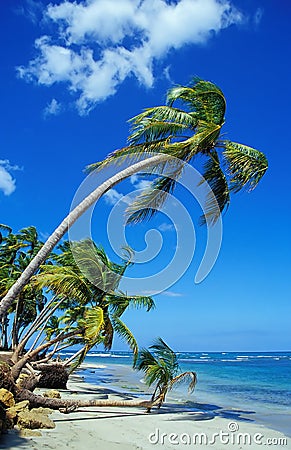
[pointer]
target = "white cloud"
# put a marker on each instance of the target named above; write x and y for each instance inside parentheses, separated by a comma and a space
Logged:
(134, 179)
(97, 44)
(142, 184)
(112, 196)
(166, 227)
(7, 182)
(165, 293)
(53, 108)
(139, 184)
(171, 294)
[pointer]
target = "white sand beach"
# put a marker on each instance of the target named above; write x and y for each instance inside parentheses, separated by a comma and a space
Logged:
(132, 429)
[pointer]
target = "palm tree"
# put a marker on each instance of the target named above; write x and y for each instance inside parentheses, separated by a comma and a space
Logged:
(16, 252)
(91, 314)
(162, 370)
(161, 133)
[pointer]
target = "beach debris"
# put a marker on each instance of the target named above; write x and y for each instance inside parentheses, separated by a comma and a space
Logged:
(53, 376)
(26, 432)
(13, 411)
(7, 398)
(21, 380)
(35, 418)
(68, 409)
(52, 393)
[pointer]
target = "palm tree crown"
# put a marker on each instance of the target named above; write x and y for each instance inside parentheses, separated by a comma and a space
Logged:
(183, 134)
(93, 308)
(161, 369)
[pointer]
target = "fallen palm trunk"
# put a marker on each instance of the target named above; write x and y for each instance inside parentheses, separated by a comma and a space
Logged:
(56, 403)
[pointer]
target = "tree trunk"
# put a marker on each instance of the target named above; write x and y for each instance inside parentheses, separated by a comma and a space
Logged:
(4, 329)
(56, 403)
(61, 230)
(15, 325)
(18, 366)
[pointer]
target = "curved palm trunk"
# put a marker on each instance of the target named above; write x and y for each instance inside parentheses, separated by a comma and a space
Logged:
(18, 365)
(61, 230)
(56, 403)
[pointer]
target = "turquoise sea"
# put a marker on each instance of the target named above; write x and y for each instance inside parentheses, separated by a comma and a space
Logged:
(239, 386)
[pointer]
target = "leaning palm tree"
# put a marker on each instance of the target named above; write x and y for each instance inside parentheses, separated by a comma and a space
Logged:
(161, 369)
(91, 315)
(161, 133)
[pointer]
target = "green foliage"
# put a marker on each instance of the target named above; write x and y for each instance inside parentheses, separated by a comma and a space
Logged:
(95, 311)
(245, 164)
(161, 369)
(193, 128)
(16, 252)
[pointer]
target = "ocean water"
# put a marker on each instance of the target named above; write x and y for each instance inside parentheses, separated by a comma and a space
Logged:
(238, 386)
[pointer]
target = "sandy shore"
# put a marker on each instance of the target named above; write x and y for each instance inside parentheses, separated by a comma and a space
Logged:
(132, 429)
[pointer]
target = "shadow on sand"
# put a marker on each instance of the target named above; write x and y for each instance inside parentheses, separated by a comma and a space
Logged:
(205, 411)
(13, 439)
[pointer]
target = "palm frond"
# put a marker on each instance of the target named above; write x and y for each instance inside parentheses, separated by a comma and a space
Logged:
(160, 122)
(166, 114)
(150, 201)
(140, 301)
(246, 165)
(95, 266)
(124, 332)
(203, 97)
(64, 282)
(108, 333)
(93, 323)
(217, 200)
(186, 377)
(129, 155)
(150, 129)
(164, 353)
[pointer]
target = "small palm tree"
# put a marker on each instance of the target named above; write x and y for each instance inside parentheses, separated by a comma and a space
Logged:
(162, 370)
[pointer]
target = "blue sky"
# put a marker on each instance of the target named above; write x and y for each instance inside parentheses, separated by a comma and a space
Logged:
(72, 74)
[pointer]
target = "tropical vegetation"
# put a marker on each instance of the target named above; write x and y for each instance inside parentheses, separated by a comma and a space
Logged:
(190, 128)
(71, 298)
(161, 369)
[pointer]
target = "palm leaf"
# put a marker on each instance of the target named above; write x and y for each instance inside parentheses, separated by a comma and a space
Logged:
(129, 154)
(108, 332)
(167, 114)
(65, 282)
(150, 200)
(93, 323)
(124, 332)
(95, 266)
(185, 377)
(164, 353)
(159, 123)
(246, 165)
(203, 97)
(217, 200)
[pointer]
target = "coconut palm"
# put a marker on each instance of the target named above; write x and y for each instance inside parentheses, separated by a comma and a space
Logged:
(16, 252)
(161, 133)
(184, 134)
(91, 314)
(161, 370)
